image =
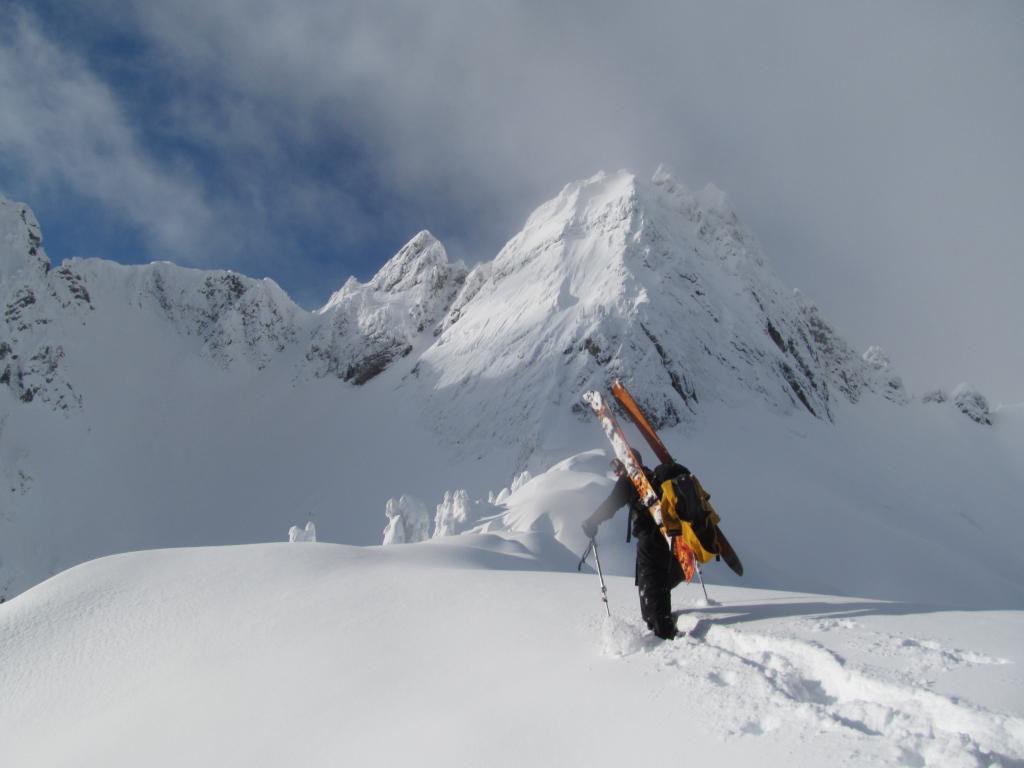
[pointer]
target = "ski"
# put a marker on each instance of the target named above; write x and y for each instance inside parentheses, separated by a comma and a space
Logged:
(634, 470)
(636, 415)
(632, 409)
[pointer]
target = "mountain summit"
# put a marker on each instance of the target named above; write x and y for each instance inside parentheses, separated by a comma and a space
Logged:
(364, 328)
(622, 277)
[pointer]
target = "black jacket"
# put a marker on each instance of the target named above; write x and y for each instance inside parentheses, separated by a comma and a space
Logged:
(657, 570)
(624, 493)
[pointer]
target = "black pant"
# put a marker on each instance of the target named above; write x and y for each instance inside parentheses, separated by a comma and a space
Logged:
(657, 572)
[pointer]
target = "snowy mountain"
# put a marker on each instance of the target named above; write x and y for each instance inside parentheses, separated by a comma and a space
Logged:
(151, 406)
(612, 277)
(620, 277)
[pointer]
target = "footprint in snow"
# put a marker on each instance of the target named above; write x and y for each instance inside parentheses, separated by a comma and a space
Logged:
(920, 658)
(824, 692)
(724, 679)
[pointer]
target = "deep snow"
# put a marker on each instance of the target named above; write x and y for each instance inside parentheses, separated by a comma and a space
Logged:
(459, 652)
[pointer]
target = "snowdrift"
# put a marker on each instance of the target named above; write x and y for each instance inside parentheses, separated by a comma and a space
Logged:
(460, 652)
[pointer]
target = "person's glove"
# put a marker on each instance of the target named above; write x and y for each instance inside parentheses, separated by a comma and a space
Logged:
(589, 528)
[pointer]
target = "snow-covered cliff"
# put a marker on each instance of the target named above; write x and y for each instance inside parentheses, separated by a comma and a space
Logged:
(644, 280)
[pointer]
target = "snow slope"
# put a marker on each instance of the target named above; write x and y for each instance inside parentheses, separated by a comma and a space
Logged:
(463, 651)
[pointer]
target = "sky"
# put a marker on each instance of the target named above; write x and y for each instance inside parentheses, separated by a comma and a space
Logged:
(873, 148)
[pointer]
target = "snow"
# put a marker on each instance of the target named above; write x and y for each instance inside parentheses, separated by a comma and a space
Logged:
(177, 407)
(304, 534)
(452, 513)
(471, 651)
(408, 521)
(879, 621)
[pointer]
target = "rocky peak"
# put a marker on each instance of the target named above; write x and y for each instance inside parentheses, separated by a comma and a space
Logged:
(972, 404)
(366, 327)
(238, 317)
(21, 243)
(421, 261)
(887, 383)
(31, 363)
(416, 275)
(968, 400)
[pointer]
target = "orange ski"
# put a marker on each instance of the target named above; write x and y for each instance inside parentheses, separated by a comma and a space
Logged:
(620, 393)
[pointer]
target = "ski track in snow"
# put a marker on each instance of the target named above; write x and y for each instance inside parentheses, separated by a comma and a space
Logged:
(801, 688)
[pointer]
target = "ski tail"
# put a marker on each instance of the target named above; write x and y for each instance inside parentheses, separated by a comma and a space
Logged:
(632, 409)
(686, 557)
(728, 554)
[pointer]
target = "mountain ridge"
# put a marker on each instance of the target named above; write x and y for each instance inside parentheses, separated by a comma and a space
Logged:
(157, 405)
(363, 328)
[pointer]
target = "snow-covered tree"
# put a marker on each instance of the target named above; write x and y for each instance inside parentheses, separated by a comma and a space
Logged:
(408, 520)
(394, 531)
(520, 480)
(296, 534)
(517, 482)
(452, 514)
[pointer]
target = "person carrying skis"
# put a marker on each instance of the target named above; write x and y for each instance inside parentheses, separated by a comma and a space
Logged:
(657, 570)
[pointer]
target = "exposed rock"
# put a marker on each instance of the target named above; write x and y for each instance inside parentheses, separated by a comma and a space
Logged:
(364, 328)
(889, 384)
(972, 404)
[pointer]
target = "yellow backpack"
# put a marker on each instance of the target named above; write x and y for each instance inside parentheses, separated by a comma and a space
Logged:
(686, 510)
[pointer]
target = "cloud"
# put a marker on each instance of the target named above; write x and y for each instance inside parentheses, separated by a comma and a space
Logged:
(61, 125)
(203, 171)
(874, 148)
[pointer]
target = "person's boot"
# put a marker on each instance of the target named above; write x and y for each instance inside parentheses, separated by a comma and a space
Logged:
(665, 628)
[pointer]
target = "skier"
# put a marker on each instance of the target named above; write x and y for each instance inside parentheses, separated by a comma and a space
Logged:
(657, 570)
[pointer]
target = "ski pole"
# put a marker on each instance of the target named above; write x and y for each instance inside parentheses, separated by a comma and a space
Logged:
(600, 573)
(700, 578)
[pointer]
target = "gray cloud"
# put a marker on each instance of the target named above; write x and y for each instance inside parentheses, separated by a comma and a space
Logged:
(61, 125)
(873, 147)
